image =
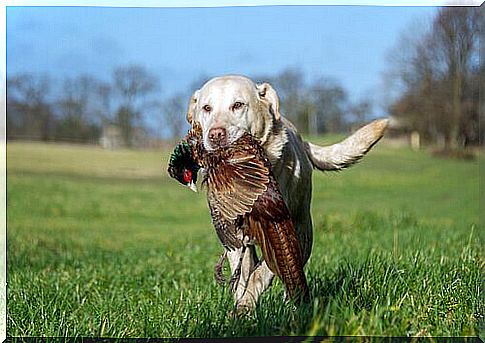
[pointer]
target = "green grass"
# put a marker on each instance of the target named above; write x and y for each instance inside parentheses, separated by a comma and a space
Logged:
(103, 243)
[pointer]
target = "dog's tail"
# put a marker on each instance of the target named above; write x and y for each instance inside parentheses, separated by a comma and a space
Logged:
(349, 151)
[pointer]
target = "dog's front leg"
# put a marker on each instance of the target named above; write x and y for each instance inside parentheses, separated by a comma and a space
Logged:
(245, 259)
(259, 280)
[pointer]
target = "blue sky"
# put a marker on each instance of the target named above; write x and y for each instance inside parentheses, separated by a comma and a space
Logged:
(348, 43)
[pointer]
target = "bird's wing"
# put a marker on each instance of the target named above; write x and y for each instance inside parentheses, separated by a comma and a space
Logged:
(236, 183)
(227, 231)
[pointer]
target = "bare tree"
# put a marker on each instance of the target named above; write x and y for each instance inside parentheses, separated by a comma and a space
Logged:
(29, 113)
(314, 108)
(435, 72)
(455, 33)
(173, 114)
(329, 101)
(133, 84)
(360, 111)
(81, 108)
(104, 102)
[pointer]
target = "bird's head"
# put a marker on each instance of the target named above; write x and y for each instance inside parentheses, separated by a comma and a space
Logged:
(182, 166)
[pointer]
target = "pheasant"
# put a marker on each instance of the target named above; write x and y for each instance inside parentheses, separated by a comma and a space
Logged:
(245, 203)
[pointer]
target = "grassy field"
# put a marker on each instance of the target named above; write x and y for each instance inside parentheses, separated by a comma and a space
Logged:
(103, 243)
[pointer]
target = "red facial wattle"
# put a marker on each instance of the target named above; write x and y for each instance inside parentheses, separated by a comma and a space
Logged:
(187, 175)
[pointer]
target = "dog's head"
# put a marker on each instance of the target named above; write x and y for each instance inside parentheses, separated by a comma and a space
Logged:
(228, 106)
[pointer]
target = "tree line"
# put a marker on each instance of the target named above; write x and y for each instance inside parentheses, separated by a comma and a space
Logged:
(80, 106)
(76, 109)
(437, 75)
(434, 71)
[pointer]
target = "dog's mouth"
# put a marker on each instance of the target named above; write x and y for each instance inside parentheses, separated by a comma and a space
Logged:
(221, 137)
(216, 143)
(219, 142)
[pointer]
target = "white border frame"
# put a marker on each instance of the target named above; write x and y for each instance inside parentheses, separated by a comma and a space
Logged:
(230, 3)
(138, 3)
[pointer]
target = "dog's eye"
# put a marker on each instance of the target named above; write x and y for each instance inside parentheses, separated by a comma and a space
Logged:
(237, 105)
(207, 108)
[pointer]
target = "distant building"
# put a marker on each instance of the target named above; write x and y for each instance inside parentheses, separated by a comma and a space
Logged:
(111, 137)
(401, 133)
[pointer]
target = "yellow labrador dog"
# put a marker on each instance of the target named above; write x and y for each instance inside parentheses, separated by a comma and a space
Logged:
(229, 105)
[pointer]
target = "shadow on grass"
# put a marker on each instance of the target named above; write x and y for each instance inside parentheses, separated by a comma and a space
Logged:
(357, 289)
(275, 317)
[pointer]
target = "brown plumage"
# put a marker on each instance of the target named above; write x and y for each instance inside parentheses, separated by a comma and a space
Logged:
(245, 201)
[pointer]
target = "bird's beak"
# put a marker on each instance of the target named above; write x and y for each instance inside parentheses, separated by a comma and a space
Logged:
(192, 186)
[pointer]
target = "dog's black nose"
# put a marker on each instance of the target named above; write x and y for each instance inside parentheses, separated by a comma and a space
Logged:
(217, 136)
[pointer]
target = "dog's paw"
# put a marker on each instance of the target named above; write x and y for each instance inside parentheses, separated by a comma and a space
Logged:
(244, 307)
(240, 311)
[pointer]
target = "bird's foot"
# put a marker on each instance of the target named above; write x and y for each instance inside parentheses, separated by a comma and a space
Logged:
(218, 272)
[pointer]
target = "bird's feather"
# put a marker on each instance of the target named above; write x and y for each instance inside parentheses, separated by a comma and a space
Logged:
(227, 231)
(236, 184)
(270, 225)
(245, 200)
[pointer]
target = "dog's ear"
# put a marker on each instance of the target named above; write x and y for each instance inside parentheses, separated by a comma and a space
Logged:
(192, 105)
(268, 94)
